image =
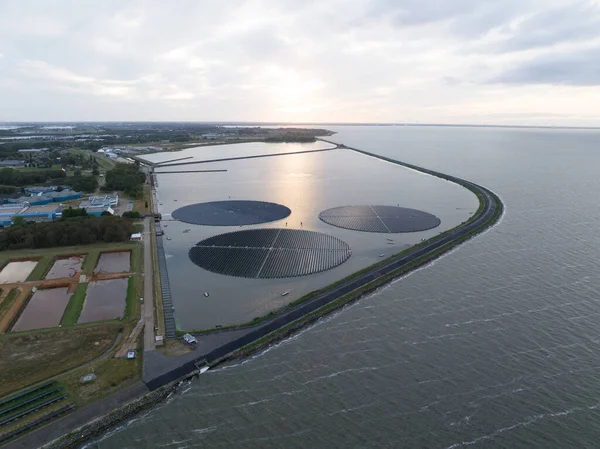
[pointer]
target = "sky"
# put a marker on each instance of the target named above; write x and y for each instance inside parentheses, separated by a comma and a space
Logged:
(501, 62)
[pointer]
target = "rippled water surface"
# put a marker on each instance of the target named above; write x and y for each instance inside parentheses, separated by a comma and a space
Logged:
(495, 345)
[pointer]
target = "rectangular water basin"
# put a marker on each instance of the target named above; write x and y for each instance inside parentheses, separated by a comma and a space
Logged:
(45, 309)
(66, 267)
(117, 262)
(17, 271)
(105, 300)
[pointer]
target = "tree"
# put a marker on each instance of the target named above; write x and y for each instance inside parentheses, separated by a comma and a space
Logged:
(71, 213)
(95, 171)
(18, 220)
(77, 172)
(59, 189)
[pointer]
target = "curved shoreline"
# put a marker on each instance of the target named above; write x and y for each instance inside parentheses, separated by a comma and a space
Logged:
(318, 304)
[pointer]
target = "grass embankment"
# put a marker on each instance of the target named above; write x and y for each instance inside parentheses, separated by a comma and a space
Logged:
(158, 304)
(135, 285)
(8, 302)
(112, 375)
(131, 298)
(139, 204)
(31, 357)
(74, 307)
(90, 261)
(42, 268)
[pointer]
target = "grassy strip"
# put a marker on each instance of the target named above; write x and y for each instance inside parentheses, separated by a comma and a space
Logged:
(9, 301)
(74, 307)
(137, 262)
(158, 305)
(132, 297)
(90, 262)
(113, 374)
(42, 268)
(139, 204)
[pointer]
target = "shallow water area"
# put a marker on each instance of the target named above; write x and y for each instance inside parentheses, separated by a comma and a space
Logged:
(104, 300)
(17, 271)
(66, 267)
(114, 262)
(44, 309)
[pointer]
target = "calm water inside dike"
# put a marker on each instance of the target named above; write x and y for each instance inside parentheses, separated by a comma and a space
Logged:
(496, 345)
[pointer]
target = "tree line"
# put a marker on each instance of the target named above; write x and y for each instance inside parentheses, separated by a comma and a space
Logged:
(127, 178)
(66, 232)
(12, 177)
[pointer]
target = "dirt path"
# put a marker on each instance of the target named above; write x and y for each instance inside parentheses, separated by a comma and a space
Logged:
(10, 314)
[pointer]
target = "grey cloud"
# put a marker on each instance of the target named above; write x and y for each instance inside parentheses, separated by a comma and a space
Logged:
(547, 27)
(464, 17)
(580, 69)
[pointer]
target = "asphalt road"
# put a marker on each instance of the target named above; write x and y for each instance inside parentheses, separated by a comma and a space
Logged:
(148, 306)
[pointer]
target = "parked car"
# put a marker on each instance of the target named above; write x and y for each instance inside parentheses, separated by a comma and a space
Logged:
(189, 339)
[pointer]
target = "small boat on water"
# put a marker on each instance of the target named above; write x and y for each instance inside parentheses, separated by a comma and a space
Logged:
(206, 294)
(381, 255)
(285, 293)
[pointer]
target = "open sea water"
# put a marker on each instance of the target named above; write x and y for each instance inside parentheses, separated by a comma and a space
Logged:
(495, 345)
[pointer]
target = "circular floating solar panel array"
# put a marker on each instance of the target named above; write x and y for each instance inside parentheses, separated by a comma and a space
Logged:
(388, 219)
(270, 253)
(231, 213)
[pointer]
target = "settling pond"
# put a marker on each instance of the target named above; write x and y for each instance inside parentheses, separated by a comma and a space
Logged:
(17, 271)
(105, 300)
(45, 309)
(117, 262)
(65, 268)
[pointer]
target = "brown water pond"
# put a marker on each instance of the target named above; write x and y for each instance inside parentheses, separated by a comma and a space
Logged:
(17, 271)
(114, 262)
(105, 300)
(44, 309)
(65, 268)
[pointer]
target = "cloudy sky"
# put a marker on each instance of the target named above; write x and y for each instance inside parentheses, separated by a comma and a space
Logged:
(427, 61)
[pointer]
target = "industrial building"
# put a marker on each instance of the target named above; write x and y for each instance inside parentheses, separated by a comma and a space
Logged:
(29, 212)
(46, 198)
(111, 200)
(7, 212)
(96, 208)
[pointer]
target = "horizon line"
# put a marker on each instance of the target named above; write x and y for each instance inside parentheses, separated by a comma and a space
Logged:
(275, 123)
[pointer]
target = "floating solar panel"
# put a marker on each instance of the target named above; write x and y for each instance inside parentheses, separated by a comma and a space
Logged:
(270, 253)
(231, 213)
(385, 219)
